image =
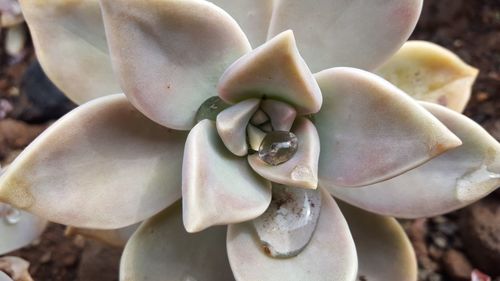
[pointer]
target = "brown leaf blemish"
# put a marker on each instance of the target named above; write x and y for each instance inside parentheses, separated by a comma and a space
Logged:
(15, 191)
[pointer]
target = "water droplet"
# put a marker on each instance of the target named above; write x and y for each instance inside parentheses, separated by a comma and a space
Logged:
(476, 184)
(302, 173)
(210, 108)
(288, 224)
(12, 215)
(278, 147)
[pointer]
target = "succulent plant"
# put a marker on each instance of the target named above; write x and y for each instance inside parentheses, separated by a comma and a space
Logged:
(14, 269)
(18, 228)
(254, 122)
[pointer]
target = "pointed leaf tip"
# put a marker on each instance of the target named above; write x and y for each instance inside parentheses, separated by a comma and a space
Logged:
(448, 182)
(218, 187)
(274, 70)
(371, 131)
(76, 171)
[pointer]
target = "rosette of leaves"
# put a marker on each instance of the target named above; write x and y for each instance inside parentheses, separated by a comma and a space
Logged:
(192, 145)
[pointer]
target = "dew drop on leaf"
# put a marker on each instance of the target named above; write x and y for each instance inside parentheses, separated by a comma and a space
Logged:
(210, 108)
(278, 147)
(287, 226)
(12, 215)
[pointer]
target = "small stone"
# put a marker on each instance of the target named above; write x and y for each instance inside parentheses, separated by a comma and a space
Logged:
(482, 96)
(5, 108)
(456, 265)
(479, 276)
(39, 100)
(278, 147)
(435, 277)
(46, 257)
(448, 228)
(440, 240)
(288, 224)
(439, 220)
(210, 108)
(428, 264)
(15, 40)
(99, 262)
(480, 230)
(417, 232)
(16, 135)
(435, 253)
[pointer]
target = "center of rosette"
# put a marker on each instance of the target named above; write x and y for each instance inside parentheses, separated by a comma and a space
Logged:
(254, 125)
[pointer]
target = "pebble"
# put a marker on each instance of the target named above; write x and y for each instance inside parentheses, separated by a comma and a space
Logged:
(99, 262)
(480, 231)
(456, 265)
(439, 240)
(16, 135)
(39, 100)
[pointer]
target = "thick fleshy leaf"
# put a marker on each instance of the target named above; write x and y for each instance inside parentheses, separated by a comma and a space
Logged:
(274, 70)
(282, 114)
(371, 131)
(381, 243)
(252, 15)
(302, 169)
(114, 237)
(71, 46)
(16, 268)
(287, 226)
(355, 33)
(217, 186)
(162, 250)
(255, 137)
(259, 118)
(170, 54)
(103, 165)
(10, 13)
(18, 231)
(330, 255)
(431, 73)
(4, 277)
(451, 181)
(232, 124)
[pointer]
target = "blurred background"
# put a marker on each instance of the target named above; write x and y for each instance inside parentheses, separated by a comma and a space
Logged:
(450, 247)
